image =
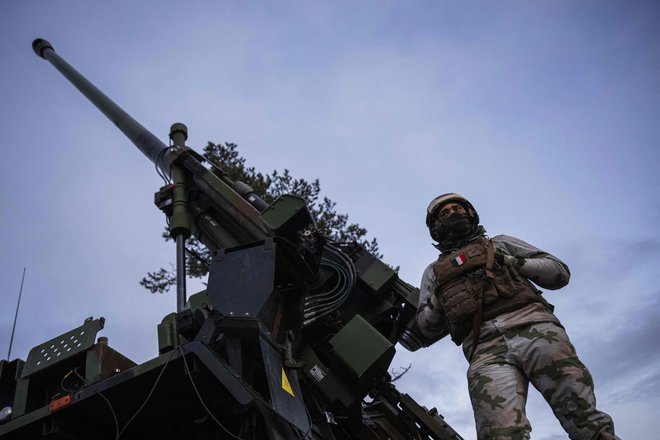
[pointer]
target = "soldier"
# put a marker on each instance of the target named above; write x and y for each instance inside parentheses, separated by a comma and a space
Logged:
(479, 292)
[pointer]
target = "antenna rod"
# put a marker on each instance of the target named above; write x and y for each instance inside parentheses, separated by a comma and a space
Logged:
(20, 293)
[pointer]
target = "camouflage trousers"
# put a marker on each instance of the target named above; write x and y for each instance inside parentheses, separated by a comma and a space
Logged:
(502, 368)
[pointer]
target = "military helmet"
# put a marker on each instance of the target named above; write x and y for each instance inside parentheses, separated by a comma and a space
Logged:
(442, 200)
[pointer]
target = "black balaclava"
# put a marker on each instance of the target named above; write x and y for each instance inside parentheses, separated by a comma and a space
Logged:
(456, 230)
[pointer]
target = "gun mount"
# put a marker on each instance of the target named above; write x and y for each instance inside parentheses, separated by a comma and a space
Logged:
(291, 339)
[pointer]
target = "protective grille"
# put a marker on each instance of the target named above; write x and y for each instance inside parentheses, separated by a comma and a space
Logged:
(62, 347)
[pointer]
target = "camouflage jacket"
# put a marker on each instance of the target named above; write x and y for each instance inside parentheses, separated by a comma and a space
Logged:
(542, 268)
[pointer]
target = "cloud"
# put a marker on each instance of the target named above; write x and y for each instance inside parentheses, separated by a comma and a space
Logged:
(631, 355)
(626, 257)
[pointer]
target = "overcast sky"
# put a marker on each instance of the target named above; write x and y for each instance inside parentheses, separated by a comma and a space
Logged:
(544, 114)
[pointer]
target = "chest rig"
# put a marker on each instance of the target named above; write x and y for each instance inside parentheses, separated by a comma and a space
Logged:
(473, 287)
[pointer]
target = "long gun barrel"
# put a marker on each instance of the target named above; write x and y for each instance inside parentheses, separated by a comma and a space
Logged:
(146, 141)
(236, 217)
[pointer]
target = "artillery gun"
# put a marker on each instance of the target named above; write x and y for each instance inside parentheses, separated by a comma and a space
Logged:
(291, 339)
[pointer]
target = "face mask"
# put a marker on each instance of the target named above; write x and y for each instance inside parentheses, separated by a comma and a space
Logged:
(458, 225)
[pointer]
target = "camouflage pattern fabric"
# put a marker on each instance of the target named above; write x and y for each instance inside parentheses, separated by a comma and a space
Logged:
(504, 364)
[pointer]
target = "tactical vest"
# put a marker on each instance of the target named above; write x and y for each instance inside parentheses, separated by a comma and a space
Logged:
(473, 288)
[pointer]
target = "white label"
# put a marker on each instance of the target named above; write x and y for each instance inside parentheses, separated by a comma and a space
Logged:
(317, 373)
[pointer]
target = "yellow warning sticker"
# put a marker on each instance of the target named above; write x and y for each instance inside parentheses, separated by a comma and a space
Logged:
(285, 384)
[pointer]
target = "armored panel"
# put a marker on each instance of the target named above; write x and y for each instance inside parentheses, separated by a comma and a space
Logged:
(286, 216)
(362, 348)
(102, 361)
(373, 275)
(62, 347)
(242, 279)
(285, 392)
(9, 372)
(326, 380)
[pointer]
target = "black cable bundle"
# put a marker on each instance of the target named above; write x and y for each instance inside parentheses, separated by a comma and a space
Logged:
(318, 305)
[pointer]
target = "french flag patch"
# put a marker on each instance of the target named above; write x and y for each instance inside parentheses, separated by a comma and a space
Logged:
(458, 260)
